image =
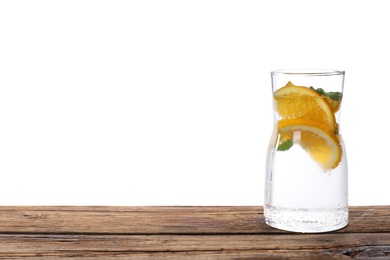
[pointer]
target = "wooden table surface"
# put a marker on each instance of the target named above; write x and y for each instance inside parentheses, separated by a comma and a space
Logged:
(182, 233)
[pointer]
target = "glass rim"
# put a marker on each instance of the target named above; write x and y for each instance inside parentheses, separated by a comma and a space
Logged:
(308, 72)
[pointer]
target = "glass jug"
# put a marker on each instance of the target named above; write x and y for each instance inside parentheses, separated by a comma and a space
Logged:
(306, 184)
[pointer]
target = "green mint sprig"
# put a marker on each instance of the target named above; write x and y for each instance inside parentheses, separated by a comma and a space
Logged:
(336, 96)
(285, 145)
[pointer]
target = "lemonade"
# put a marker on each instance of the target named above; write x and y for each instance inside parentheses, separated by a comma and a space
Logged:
(306, 169)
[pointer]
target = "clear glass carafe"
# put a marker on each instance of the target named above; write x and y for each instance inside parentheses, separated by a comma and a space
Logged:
(306, 184)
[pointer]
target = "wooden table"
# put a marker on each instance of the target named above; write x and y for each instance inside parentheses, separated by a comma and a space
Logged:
(182, 233)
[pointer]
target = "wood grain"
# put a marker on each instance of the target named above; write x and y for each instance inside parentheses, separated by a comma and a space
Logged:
(182, 233)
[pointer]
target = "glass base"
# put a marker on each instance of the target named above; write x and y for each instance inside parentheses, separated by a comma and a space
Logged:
(306, 220)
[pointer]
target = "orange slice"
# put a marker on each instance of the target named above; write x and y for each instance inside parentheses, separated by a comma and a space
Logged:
(302, 102)
(335, 105)
(315, 138)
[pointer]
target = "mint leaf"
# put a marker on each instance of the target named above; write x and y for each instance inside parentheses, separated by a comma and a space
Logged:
(319, 90)
(285, 145)
(336, 96)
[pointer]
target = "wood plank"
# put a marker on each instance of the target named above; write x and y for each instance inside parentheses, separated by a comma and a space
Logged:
(182, 233)
(329, 244)
(248, 255)
(165, 220)
(128, 220)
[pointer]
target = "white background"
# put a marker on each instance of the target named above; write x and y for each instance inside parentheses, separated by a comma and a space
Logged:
(169, 102)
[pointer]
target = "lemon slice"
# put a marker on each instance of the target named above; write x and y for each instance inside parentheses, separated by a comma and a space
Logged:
(302, 102)
(316, 139)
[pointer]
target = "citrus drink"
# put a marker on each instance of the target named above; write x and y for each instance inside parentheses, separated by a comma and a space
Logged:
(306, 169)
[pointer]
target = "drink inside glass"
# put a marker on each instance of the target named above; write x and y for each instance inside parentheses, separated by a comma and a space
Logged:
(306, 186)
